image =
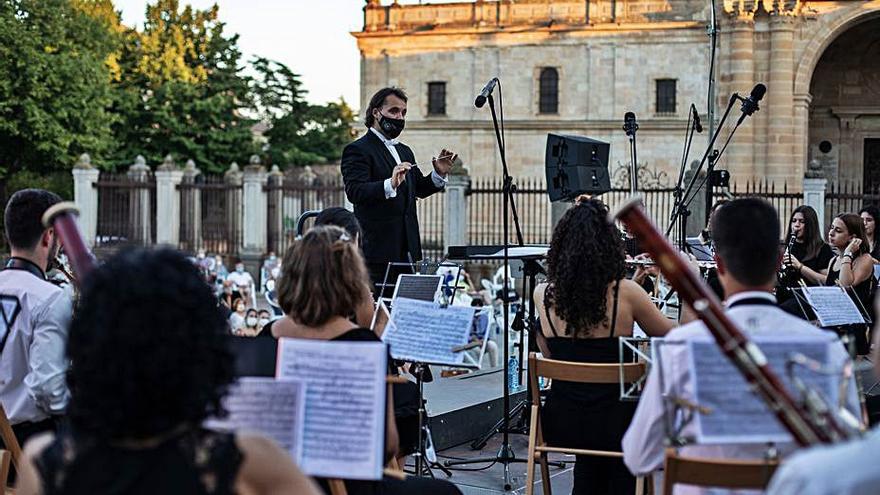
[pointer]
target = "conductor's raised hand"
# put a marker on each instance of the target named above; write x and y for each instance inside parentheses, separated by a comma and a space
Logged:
(398, 175)
(443, 163)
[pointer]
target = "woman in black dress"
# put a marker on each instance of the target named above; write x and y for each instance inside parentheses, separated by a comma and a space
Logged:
(585, 305)
(870, 214)
(142, 382)
(809, 255)
(322, 283)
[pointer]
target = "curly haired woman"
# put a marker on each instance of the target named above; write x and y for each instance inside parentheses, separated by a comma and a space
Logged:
(142, 382)
(585, 305)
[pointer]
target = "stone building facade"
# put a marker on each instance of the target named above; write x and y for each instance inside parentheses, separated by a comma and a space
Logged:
(820, 61)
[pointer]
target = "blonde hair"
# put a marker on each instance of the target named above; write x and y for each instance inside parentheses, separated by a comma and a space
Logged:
(323, 275)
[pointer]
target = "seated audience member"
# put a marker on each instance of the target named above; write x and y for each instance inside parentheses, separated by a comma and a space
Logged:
(585, 305)
(263, 318)
(870, 214)
(848, 468)
(242, 283)
(746, 234)
(809, 255)
(142, 382)
(322, 282)
(250, 327)
(236, 318)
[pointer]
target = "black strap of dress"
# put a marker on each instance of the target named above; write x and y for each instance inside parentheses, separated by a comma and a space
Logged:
(613, 311)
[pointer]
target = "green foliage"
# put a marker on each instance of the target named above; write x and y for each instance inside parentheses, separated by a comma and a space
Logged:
(53, 87)
(299, 133)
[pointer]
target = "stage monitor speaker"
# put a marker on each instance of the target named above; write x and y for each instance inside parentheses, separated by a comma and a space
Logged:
(576, 165)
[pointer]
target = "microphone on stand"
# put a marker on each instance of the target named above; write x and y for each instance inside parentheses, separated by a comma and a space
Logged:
(697, 126)
(629, 124)
(750, 104)
(484, 94)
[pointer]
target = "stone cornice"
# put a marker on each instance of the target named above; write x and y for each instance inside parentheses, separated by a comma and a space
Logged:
(549, 30)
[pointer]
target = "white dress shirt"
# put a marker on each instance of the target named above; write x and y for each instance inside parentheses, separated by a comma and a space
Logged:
(645, 441)
(391, 192)
(33, 364)
(849, 468)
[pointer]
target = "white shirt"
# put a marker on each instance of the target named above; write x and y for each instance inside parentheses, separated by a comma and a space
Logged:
(33, 364)
(645, 441)
(243, 279)
(390, 144)
(849, 468)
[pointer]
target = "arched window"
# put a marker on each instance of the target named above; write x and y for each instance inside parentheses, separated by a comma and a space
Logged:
(548, 100)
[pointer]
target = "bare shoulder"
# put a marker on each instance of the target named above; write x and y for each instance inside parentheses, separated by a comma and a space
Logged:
(37, 444)
(538, 294)
(632, 290)
(269, 469)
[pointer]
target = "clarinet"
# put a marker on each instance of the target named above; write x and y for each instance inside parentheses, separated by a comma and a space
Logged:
(787, 275)
(62, 217)
(807, 429)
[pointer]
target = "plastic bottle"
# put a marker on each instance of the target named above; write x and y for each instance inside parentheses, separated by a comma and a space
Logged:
(512, 374)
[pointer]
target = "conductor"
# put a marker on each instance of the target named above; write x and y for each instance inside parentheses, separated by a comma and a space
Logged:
(383, 181)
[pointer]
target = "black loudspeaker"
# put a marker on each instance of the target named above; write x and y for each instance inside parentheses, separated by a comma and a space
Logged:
(576, 165)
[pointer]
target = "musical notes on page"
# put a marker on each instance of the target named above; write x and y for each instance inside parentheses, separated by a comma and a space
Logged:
(833, 306)
(736, 415)
(344, 432)
(273, 408)
(423, 332)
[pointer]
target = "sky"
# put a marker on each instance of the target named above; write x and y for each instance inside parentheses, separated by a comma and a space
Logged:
(311, 37)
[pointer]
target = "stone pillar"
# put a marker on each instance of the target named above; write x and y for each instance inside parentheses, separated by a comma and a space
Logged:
(275, 198)
(739, 159)
(780, 102)
(139, 203)
(191, 207)
(557, 209)
(814, 196)
(455, 226)
(233, 178)
(168, 177)
(85, 195)
(802, 130)
(254, 215)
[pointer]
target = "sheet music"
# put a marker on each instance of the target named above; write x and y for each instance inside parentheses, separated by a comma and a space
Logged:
(738, 415)
(424, 332)
(832, 306)
(271, 407)
(422, 287)
(344, 427)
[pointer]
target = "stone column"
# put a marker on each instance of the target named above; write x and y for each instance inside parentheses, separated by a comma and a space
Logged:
(233, 178)
(275, 211)
(254, 215)
(739, 159)
(455, 226)
(814, 196)
(191, 207)
(802, 130)
(168, 177)
(780, 102)
(139, 202)
(85, 195)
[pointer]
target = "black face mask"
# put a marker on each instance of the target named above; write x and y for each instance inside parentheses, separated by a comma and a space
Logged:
(391, 127)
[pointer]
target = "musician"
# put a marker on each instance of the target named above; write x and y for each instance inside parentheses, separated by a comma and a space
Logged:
(746, 236)
(809, 255)
(383, 181)
(849, 468)
(322, 283)
(584, 307)
(142, 383)
(36, 313)
(870, 214)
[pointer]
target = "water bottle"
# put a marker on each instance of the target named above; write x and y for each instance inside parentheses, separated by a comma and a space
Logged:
(512, 374)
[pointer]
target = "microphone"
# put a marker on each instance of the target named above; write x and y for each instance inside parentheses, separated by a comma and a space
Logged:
(629, 124)
(484, 94)
(697, 126)
(750, 104)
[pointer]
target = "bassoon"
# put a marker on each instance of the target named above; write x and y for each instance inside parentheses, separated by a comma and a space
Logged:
(745, 355)
(62, 217)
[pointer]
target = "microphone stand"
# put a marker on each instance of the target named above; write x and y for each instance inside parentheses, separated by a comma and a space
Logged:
(630, 126)
(505, 454)
(684, 212)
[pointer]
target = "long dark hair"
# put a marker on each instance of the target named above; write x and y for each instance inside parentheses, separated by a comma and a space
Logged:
(586, 256)
(378, 100)
(856, 227)
(813, 239)
(875, 214)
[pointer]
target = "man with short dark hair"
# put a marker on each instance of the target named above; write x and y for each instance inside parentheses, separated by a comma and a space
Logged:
(383, 181)
(35, 315)
(746, 235)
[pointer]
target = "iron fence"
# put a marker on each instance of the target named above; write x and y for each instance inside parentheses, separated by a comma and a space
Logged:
(211, 216)
(121, 215)
(485, 203)
(848, 197)
(293, 197)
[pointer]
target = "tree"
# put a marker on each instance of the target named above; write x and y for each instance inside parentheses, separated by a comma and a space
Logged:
(299, 133)
(54, 88)
(181, 90)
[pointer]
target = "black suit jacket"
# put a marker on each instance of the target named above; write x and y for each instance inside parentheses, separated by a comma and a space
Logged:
(390, 225)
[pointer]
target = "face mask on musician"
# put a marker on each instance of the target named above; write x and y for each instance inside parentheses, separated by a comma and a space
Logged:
(391, 127)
